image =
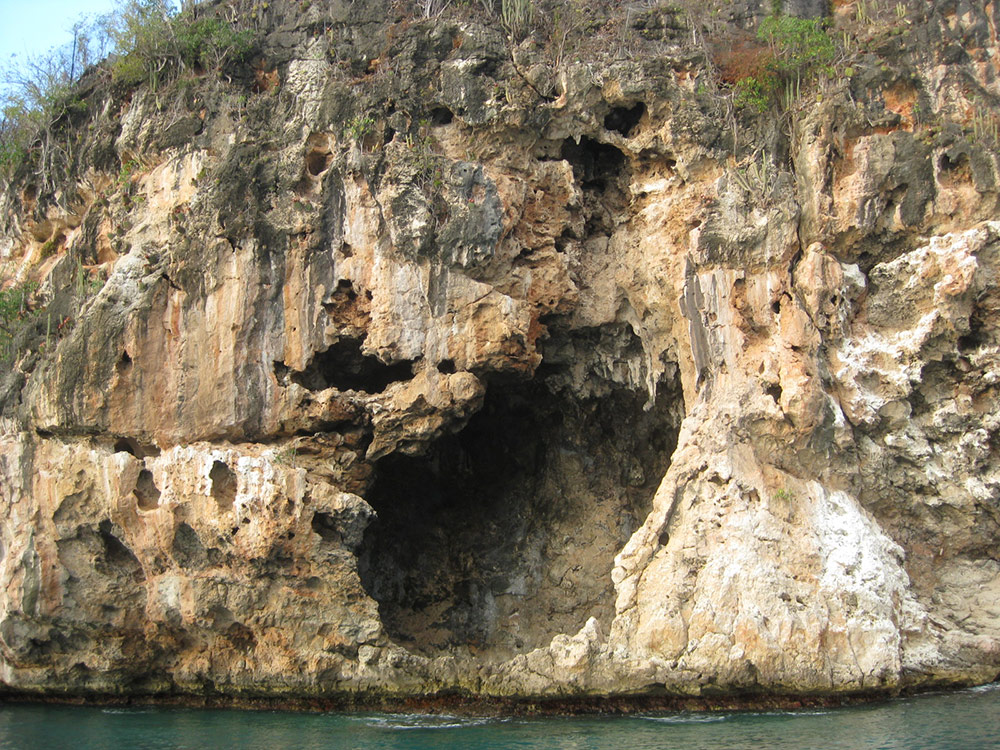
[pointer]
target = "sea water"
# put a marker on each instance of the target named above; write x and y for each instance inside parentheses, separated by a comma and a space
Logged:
(963, 720)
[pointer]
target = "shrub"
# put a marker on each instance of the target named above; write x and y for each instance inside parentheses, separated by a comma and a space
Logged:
(211, 42)
(755, 92)
(38, 97)
(797, 49)
(143, 36)
(153, 41)
(801, 46)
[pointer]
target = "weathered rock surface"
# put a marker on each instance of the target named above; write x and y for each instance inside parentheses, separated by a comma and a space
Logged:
(424, 364)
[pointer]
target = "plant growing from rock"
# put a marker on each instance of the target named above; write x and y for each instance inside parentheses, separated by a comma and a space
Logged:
(15, 311)
(517, 16)
(797, 50)
(153, 42)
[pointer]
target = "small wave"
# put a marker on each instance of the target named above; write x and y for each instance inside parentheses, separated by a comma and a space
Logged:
(791, 712)
(985, 688)
(689, 718)
(127, 710)
(420, 721)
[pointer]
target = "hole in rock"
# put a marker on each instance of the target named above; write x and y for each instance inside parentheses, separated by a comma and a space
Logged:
(317, 162)
(319, 154)
(441, 116)
(124, 445)
(978, 335)
(340, 303)
(594, 164)
(116, 553)
(324, 525)
(601, 171)
(345, 367)
(504, 534)
(223, 485)
(446, 366)
(624, 119)
(774, 391)
(135, 448)
(147, 494)
(954, 169)
(124, 365)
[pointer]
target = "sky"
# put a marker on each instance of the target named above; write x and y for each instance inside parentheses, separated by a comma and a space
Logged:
(35, 26)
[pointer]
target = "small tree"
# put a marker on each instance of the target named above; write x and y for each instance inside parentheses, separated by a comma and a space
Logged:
(143, 36)
(798, 49)
(801, 46)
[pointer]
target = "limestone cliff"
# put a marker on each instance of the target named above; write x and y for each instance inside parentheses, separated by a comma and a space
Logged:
(416, 357)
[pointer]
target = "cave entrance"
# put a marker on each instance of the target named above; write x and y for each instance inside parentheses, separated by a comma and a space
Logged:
(504, 534)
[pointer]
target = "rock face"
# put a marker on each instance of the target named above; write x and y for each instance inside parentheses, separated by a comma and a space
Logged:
(409, 359)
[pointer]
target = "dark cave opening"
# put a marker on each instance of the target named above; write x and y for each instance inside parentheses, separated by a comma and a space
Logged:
(346, 367)
(602, 172)
(504, 534)
(442, 116)
(594, 163)
(624, 120)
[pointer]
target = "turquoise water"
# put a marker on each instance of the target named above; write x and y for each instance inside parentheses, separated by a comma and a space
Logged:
(965, 720)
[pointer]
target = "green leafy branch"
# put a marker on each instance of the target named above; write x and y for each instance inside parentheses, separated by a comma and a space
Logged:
(800, 48)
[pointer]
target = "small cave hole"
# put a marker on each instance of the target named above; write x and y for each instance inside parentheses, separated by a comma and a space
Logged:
(594, 164)
(346, 250)
(976, 338)
(124, 445)
(947, 163)
(147, 494)
(441, 116)
(774, 391)
(345, 367)
(116, 552)
(624, 120)
(318, 161)
(954, 168)
(446, 367)
(133, 447)
(325, 525)
(663, 539)
(341, 299)
(281, 373)
(223, 485)
(124, 366)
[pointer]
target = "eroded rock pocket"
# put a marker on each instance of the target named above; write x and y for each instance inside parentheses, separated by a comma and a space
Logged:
(346, 367)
